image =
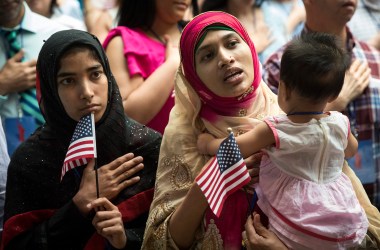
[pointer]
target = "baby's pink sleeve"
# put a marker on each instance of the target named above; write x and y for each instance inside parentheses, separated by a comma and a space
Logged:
(272, 127)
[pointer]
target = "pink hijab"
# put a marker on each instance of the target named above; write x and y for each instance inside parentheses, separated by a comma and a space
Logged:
(198, 109)
(213, 104)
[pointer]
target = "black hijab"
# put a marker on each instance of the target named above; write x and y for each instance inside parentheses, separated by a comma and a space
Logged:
(34, 171)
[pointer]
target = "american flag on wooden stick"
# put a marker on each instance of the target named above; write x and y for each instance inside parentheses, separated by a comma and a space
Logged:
(225, 174)
(82, 145)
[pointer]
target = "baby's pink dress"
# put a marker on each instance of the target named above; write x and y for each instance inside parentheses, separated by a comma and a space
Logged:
(310, 203)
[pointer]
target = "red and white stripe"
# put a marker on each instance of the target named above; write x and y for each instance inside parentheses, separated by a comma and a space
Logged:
(78, 153)
(217, 186)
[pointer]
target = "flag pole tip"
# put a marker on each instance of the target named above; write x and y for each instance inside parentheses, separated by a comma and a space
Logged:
(229, 130)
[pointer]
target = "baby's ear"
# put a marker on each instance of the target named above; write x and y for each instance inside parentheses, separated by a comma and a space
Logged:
(288, 91)
(284, 89)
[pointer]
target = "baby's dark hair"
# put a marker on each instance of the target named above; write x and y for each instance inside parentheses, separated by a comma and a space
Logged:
(314, 65)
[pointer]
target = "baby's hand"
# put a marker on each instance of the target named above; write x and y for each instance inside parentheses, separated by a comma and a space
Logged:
(203, 142)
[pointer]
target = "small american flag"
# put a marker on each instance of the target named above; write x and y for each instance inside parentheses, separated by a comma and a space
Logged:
(82, 145)
(225, 174)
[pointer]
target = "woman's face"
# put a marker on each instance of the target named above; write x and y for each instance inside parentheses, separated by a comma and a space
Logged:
(82, 84)
(172, 10)
(224, 63)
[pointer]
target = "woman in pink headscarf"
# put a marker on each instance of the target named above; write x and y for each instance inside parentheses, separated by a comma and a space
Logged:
(218, 86)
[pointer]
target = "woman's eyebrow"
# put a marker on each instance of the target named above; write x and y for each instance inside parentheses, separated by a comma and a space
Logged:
(63, 74)
(202, 47)
(229, 35)
(98, 66)
(224, 37)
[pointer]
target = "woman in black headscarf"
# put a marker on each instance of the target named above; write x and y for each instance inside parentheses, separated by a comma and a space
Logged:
(44, 212)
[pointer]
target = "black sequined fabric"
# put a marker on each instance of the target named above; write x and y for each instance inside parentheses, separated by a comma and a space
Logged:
(35, 168)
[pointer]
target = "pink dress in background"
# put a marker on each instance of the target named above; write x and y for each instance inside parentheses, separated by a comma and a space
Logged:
(143, 56)
(310, 203)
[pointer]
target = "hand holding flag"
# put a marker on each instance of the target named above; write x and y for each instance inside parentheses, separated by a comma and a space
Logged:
(225, 174)
(82, 145)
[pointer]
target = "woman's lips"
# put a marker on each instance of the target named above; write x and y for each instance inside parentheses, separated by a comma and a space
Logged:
(234, 78)
(232, 75)
(91, 108)
(181, 5)
(349, 5)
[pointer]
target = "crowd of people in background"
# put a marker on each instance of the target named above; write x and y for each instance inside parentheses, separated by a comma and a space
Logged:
(163, 69)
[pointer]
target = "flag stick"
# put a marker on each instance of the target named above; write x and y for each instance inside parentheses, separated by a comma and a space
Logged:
(96, 177)
(95, 155)
(251, 201)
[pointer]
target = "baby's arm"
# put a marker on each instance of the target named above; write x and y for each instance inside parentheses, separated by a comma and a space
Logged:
(249, 143)
(254, 140)
(352, 146)
(208, 144)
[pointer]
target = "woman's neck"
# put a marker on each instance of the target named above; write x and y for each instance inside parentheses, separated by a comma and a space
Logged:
(160, 29)
(241, 11)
